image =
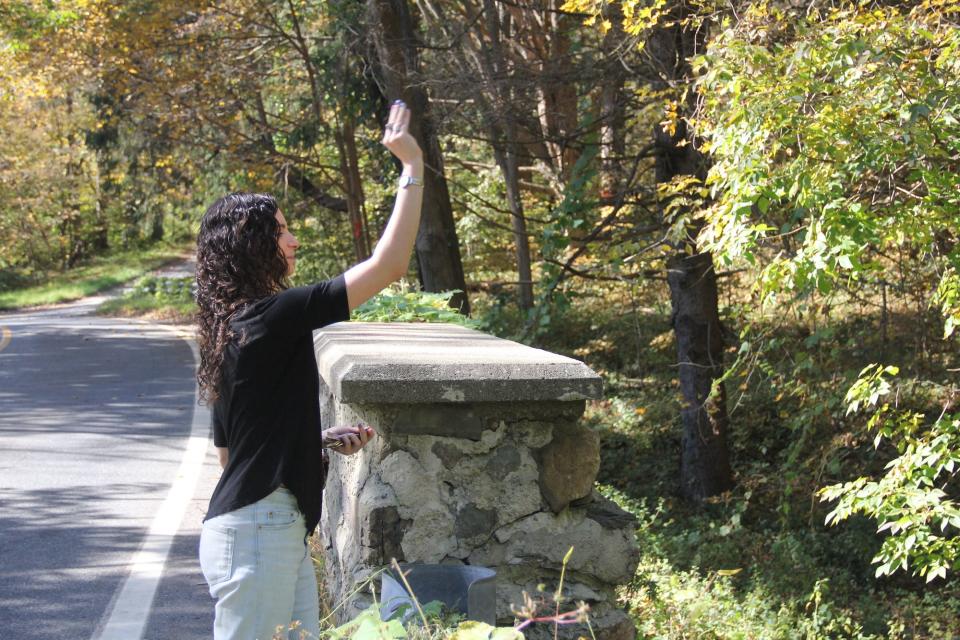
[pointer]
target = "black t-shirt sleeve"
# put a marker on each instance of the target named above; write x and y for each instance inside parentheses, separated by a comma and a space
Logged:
(216, 420)
(301, 309)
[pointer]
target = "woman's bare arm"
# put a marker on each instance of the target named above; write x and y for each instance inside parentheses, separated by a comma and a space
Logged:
(223, 454)
(391, 258)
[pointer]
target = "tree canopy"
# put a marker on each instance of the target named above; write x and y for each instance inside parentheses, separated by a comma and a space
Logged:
(769, 189)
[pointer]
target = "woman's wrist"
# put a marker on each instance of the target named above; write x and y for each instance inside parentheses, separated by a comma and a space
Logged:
(414, 168)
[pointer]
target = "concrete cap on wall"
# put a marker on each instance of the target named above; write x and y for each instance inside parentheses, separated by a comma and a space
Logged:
(368, 362)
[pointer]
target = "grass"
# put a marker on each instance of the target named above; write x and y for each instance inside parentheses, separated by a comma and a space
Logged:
(99, 274)
(149, 306)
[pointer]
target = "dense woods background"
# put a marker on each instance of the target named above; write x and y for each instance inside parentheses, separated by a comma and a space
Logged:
(743, 214)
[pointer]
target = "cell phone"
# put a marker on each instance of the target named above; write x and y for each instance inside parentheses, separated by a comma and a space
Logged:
(332, 443)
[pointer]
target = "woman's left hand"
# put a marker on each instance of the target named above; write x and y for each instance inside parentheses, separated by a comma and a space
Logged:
(353, 438)
(398, 139)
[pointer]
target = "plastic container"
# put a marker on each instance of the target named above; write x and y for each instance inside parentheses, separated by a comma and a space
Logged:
(467, 589)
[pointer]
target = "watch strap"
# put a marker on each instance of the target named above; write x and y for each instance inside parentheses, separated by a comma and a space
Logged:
(406, 181)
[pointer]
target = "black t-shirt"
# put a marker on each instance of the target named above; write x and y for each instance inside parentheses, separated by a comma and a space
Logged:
(268, 410)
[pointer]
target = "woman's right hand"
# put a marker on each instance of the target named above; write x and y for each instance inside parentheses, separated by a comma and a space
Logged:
(353, 438)
(397, 138)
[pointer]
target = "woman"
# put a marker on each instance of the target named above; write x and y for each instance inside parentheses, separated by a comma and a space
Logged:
(259, 373)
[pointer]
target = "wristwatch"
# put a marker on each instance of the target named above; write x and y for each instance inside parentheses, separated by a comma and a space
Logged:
(406, 181)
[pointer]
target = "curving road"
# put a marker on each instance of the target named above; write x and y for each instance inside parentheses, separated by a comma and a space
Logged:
(102, 487)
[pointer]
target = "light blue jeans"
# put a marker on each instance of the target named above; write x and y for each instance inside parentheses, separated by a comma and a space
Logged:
(257, 564)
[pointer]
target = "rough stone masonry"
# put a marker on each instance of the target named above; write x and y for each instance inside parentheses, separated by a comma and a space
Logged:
(481, 460)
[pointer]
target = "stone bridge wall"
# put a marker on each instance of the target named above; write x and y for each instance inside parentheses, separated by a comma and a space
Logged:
(481, 460)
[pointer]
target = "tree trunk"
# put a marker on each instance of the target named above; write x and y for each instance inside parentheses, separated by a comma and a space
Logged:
(557, 93)
(361, 229)
(612, 108)
(705, 464)
(99, 239)
(504, 141)
(352, 187)
(507, 159)
(437, 248)
(156, 228)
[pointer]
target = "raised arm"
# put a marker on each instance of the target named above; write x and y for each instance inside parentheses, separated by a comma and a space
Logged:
(392, 256)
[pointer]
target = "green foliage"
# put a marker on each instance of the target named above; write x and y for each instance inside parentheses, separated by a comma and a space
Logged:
(948, 297)
(676, 605)
(397, 304)
(730, 595)
(832, 137)
(910, 502)
(24, 20)
(750, 582)
(48, 218)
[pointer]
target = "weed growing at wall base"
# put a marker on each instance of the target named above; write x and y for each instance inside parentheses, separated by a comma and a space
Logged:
(434, 621)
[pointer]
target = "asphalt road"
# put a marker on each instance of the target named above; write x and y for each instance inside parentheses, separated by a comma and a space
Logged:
(95, 419)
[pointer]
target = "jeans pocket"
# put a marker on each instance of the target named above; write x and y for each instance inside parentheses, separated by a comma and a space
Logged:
(217, 553)
(277, 518)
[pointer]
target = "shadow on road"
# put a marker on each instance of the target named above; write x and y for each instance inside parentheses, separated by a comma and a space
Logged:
(93, 419)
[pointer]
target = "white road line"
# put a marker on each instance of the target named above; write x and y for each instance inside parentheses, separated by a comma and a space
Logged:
(130, 610)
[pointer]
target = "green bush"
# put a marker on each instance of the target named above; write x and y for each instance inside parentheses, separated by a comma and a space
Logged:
(166, 289)
(910, 501)
(397, 304)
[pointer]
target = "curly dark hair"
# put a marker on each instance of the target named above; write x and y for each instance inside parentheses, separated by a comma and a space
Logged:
(238, 262)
